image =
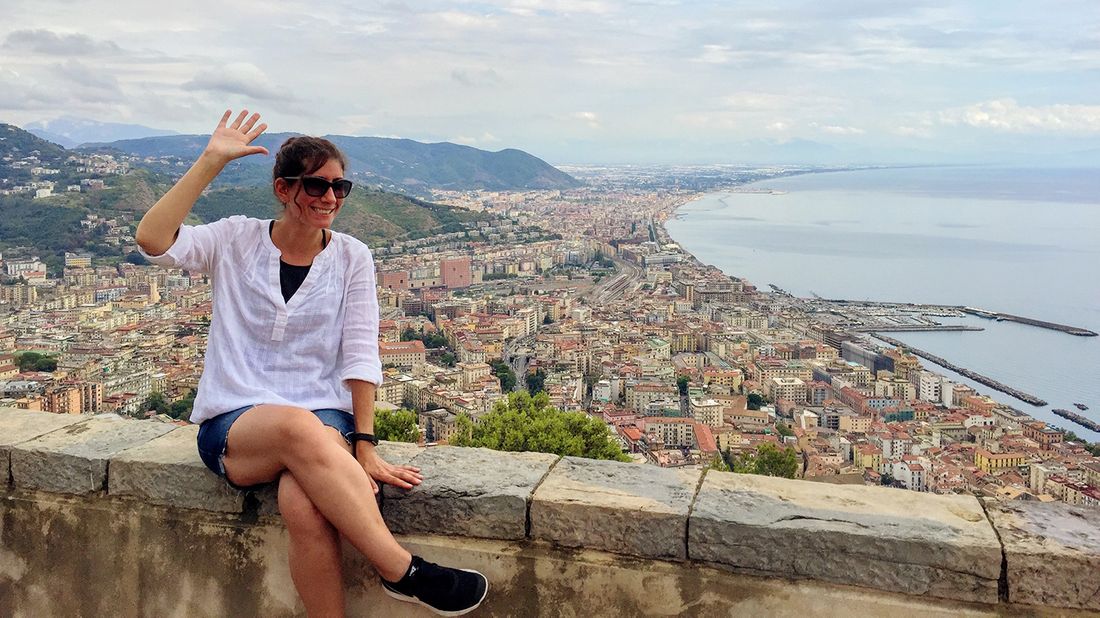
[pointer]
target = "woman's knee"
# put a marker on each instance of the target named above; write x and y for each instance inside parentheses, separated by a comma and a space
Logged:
(298, 430)
(301, 516)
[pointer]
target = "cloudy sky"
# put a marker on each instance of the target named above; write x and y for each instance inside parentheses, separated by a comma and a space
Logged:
(585, 81)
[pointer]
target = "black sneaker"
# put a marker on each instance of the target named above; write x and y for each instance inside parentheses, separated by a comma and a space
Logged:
(446, 591)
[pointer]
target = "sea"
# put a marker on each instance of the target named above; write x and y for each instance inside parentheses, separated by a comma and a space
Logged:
(1019, 241)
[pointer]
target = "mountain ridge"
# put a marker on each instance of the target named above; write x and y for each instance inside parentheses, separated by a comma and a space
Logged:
(393, 163)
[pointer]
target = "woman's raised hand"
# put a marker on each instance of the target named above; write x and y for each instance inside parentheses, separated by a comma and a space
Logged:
(232, 141)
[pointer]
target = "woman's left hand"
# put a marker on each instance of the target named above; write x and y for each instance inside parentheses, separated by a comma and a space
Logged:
(380, 471)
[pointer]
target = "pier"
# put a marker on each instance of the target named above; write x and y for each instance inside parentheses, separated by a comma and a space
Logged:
(1008, 317)
(915, 328)
(973, 375)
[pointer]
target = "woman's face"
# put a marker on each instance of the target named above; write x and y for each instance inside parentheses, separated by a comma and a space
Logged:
(314, 211)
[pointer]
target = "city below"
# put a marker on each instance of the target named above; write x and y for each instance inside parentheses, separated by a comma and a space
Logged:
(580, 293)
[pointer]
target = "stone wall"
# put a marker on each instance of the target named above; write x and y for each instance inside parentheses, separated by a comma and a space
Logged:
(105, 516)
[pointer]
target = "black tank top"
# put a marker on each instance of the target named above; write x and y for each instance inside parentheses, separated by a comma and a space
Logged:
(290, 275)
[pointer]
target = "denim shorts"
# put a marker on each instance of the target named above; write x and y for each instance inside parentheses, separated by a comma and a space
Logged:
(214, 437)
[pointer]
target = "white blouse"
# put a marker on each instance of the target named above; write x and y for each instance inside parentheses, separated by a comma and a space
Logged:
(264, 350)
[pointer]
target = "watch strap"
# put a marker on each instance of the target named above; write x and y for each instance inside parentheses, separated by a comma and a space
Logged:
(356, 436)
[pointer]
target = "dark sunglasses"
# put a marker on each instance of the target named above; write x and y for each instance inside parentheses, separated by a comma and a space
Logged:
(316, 186)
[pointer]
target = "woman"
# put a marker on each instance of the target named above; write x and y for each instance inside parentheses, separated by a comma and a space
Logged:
(287, 393)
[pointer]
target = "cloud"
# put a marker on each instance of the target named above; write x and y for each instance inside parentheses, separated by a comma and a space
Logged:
(51, 43)
(528, 8)
(778, 126)
(18, 92)
(241, 78)
(715, 54)
(486, 138)
(908, 131)
(759, 101)
(74, 72)
(589, 118)
(833, 129)
(476, 79)
(458, 19)
(1006, 115)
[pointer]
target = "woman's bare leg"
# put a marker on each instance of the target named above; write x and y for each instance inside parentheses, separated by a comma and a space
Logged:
(315, 556)
(268, 439)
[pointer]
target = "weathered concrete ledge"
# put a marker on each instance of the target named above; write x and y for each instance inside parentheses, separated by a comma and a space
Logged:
(89, 499)
(618, 507)
(919, 544)
(73, 459)
(1052, 553)
(471, 492)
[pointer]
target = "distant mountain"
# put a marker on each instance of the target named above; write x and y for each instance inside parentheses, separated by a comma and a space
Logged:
(399, 164)
(72, 131)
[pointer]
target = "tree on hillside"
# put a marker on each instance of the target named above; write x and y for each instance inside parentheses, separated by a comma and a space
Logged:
(768, 460)
(505, 374)
(396, 425)
(181, 409)
(682, 384)
(536, 381)
(35, 361)
(529, 423)
(134, 257)
(155, 402)
(755, 401)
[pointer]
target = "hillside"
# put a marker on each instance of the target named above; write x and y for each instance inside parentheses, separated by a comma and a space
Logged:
(52, 225)
(15, 144)
(373, 216)
(400, 164)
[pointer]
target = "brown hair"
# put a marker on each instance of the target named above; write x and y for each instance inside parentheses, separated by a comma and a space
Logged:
(304, 155)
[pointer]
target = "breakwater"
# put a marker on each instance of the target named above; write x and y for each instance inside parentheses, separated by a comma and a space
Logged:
(973, 375)
(915, 328)
(1077, 418)
(1008, 317)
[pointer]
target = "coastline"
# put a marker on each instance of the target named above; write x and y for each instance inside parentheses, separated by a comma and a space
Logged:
(675, 213)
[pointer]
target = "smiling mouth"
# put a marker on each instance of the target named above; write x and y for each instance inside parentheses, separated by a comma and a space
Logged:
(324, 211)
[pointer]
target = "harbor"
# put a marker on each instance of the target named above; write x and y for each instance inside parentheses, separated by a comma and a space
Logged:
(973, 375)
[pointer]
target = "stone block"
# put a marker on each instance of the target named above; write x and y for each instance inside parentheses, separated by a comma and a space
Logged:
(1053, 553)
(472, 492)
(618, 507)
(902, 541)
(167, 471)
(74, 459)
(21, 425)
(399, 453)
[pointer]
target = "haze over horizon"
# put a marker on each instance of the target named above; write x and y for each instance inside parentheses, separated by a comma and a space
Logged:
(584, 81)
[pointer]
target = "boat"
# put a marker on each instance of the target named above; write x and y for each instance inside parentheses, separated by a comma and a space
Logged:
(1080, 406)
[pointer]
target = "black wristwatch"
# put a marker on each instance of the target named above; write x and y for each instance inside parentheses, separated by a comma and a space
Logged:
(355, 436)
